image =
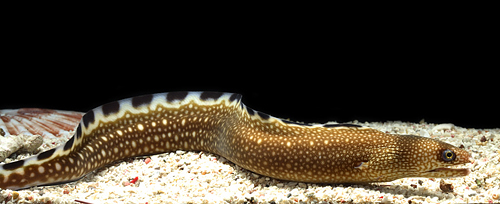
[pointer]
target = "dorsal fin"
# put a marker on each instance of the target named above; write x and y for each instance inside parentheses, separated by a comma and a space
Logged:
(115, 109)
(340, 125)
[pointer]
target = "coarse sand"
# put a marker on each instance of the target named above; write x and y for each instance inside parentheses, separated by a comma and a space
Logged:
(202, 177)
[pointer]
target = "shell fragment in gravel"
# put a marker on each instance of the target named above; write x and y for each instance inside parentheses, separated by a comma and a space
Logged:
(36, 121)
(23, 130)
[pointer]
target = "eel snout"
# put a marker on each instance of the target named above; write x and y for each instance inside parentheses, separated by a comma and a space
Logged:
(444, 172)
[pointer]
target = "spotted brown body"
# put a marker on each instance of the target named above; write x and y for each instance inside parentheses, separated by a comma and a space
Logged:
(220, 123)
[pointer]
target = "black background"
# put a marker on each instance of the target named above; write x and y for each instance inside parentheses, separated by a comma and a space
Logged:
(304, 70)
(315, 96)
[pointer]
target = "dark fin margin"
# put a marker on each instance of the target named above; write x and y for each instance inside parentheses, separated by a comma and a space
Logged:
(13, 165)
(294, 123)
(341, 125)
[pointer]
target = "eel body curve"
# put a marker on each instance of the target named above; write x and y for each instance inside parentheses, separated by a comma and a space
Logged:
(220, 123)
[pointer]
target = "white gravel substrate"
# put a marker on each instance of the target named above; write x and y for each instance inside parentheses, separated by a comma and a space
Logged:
(201, 177)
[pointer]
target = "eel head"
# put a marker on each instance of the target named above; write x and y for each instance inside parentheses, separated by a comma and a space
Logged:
(415, 156)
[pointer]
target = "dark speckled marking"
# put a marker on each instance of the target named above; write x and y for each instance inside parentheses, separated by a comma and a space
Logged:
(176, 96)
(69, 144)
(88, 118)
(263, 115)
(141, 100)
(235, 97)
(78, 132)
(46, 154)
(13, 165)
(250, 111)
(210, 95)
(110, 108)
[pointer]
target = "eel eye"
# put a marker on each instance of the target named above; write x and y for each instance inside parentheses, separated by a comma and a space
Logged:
(448, 155)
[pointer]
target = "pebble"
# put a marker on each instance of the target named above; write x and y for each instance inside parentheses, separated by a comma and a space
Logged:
(19, 143)
(15, 195)
(445, 126)
(147, 160)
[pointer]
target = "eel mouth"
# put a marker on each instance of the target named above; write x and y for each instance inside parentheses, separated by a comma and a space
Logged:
(449, 172)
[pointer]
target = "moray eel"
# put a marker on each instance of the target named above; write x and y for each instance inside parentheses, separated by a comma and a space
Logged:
(221, 124)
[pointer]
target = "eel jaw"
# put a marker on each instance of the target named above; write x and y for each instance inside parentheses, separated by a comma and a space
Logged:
(453, 171)
(447, 172)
